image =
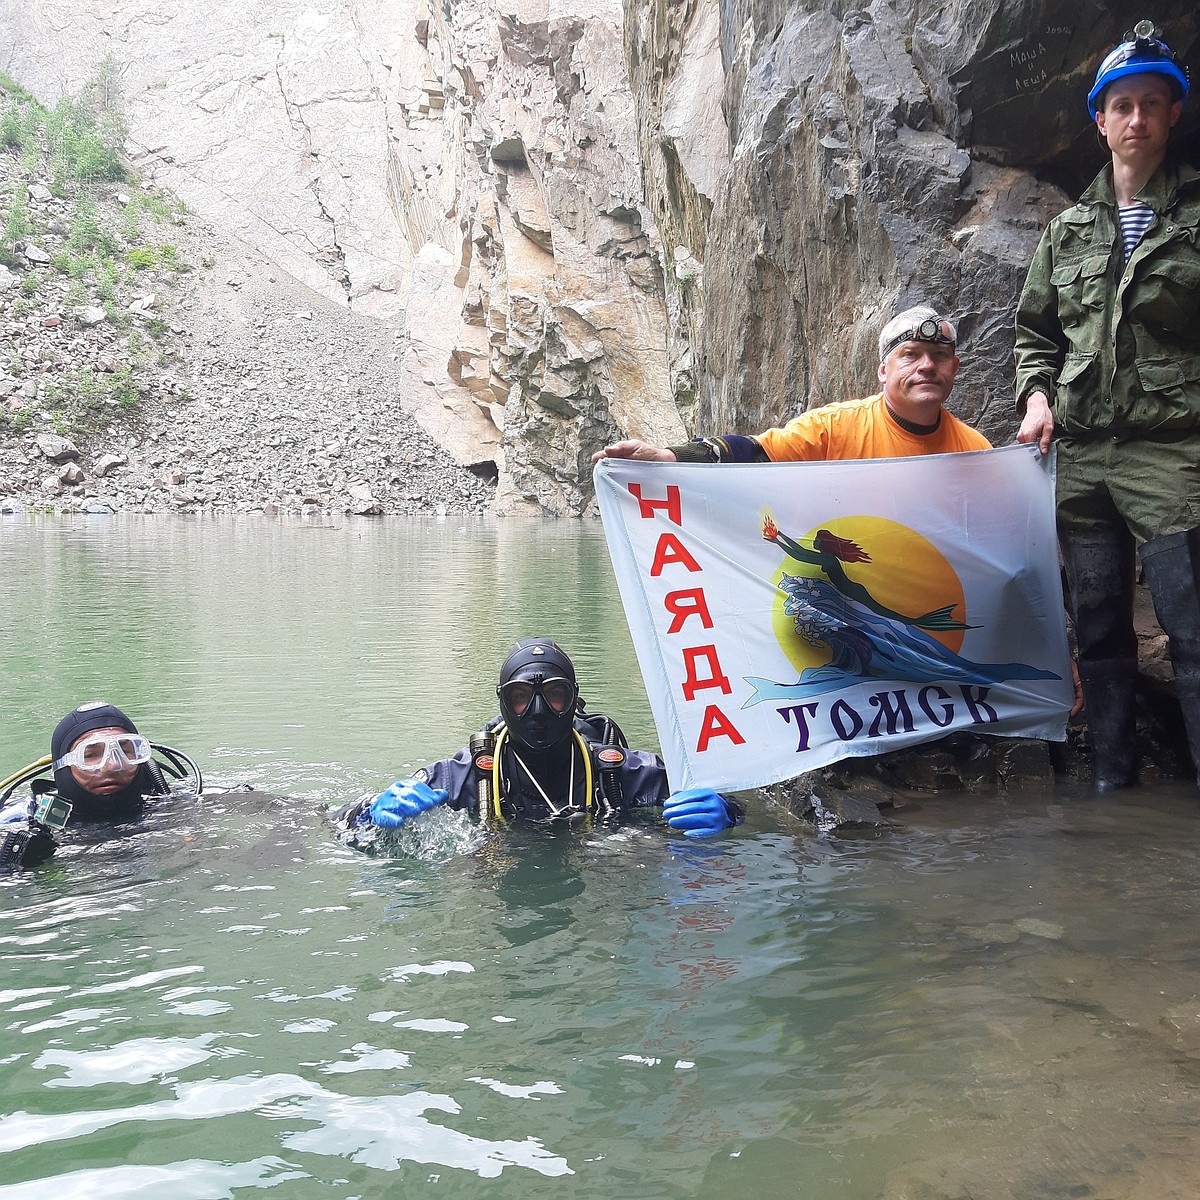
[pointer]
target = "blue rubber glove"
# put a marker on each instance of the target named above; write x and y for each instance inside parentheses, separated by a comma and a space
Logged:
(697, 812)
(404, 799)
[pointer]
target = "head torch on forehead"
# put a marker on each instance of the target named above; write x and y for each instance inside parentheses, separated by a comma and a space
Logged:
(1142, 39)
(94, 753)
(518, 694)
(1142, 52)
(928, 331)
(1141, 46)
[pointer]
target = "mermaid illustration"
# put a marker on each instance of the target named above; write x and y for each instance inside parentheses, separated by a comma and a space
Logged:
(830, 552)
(865, 640)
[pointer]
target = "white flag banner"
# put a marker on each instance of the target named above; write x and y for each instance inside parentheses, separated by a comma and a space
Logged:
(787, 615)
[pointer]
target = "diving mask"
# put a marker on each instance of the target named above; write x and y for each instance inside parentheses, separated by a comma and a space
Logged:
(93, 753)
(519, 694)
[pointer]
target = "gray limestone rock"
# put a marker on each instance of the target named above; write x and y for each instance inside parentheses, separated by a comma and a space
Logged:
(57, 449)
(876, 159)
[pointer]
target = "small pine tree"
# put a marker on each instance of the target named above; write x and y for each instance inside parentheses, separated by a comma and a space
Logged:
(86, 134)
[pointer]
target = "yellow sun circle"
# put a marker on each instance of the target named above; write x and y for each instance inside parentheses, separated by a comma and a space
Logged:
(906, 573)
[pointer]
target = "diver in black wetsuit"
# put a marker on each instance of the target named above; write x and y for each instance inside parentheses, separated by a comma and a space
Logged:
(543, 757)
(104, 770)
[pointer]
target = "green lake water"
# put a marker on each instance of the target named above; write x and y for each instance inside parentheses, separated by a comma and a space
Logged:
(998, 997)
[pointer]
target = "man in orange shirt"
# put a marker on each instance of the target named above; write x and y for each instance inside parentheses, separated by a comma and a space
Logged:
(917, 366)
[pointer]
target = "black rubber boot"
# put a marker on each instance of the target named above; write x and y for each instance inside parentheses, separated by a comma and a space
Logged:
(1110, 705)
(1100, 571)
(1173, 572)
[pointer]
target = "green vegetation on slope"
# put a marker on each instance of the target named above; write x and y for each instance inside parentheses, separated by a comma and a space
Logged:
(83, 237)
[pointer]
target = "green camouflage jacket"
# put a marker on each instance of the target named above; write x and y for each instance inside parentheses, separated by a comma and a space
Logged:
(1116, 346)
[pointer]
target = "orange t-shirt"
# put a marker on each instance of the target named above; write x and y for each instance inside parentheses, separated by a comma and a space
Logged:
(863, 429)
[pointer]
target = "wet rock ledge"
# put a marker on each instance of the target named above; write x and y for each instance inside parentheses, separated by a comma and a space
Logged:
(861, 795)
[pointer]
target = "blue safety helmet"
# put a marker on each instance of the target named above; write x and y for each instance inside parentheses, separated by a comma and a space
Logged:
(1141, 53)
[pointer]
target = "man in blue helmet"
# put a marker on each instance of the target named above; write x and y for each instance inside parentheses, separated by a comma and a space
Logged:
(542, 757)
(1108, 362)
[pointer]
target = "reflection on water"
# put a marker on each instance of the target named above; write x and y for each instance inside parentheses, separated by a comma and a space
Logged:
(293, 655)
(997, 998)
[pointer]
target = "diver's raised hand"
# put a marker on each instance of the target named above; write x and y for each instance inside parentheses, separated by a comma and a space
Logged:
(404, 799)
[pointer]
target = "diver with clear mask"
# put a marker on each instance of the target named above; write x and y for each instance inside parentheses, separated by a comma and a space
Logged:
(103, 770)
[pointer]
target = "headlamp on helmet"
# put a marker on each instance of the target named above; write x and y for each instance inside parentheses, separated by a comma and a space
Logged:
(1143, 52)
(927, 331)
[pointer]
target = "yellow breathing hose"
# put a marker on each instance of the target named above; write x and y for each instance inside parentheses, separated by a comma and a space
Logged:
(7, 786)
(24, 772)
(496, 776)
(587, 773)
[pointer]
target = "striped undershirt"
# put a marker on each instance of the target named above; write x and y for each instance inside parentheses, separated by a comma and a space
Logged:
(1135, 219)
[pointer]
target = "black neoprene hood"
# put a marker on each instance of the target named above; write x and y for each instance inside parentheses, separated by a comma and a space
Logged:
(95, 714)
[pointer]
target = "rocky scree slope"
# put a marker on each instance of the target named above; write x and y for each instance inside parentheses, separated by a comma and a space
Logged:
(201, 379)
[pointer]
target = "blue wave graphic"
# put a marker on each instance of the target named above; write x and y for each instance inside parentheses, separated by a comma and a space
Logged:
(867, 646)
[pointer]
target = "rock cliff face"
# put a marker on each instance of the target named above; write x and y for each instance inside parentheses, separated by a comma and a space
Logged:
(590, 219)
(468, 172)
(537, 282)
(877, 157)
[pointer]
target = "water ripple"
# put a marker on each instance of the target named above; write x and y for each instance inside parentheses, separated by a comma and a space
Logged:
(379, 1132)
